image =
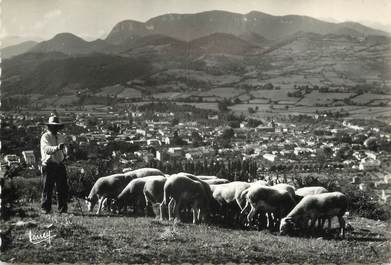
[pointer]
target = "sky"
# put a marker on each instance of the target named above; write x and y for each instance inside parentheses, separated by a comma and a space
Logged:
(91, 19)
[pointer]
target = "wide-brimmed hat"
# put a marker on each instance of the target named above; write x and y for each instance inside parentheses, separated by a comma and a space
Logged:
(54, 121)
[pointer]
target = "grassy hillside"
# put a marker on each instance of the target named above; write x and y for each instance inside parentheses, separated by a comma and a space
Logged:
(145, 240)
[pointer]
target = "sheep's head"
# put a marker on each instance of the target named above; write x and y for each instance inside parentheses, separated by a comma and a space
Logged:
(90, 203)
(286, 226)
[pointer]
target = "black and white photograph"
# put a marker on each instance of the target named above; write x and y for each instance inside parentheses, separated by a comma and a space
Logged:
(195, 131)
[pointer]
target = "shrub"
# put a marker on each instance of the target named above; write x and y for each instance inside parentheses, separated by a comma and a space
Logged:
(362, 204)
(28, 189)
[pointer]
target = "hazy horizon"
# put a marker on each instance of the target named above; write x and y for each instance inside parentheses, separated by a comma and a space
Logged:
(92, 19)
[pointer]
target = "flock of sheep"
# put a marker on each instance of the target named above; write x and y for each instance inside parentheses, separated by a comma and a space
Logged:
(279, 207)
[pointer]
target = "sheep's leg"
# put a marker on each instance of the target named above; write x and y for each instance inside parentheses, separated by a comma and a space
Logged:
(277, 218)
(329, 220)
(195, 209)
(251, 214)
(270, 220)
(312, 224)
(101, 200)
(162, 207)
(320, 223)
(171, 208)
(177, 209)
(304, 224)
(149, 204)
(341, 226)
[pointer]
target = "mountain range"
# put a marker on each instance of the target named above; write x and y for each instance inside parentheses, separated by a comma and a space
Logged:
(254, 27)
(215, 43)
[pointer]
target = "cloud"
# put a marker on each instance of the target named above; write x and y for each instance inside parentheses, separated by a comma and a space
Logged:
(52, 14)
(47, 18)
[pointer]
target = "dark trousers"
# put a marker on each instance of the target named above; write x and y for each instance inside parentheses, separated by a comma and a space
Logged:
(54, 173)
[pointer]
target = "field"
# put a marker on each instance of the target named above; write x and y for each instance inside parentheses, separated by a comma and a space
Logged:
(367, 98)
(315, 97)
(120, 91)
(223, 92)
(106, 238)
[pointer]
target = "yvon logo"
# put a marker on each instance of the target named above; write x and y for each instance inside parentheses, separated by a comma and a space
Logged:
(39, 238)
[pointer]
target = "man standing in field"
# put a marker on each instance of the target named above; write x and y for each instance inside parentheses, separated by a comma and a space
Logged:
(53, 169)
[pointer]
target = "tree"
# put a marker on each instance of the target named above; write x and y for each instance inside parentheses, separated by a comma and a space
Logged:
(174, 121)
(177, 140)
(228, 133)
(268, 86)
(234, 124)
(252, 123)
(196, 138)
(223, 105)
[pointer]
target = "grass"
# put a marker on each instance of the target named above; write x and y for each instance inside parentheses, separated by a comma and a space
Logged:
(124, 239)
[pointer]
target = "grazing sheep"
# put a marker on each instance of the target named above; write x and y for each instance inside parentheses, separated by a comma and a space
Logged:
(242, 196)
(184, 189)
(302, 192)
(134, 191)
(229, 192)
(106, 188)
(153, 190)
(312, 207)
(269, 200)
(228, 199)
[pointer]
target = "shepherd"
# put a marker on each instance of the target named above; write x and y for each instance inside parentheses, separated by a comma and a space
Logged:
(53, 169)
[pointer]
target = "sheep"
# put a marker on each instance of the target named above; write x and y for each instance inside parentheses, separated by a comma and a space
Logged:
(242, 196)
(228, 198)
(104, 188)
(134, 190)
(153, 190)
(183, 189)
(302, 192)
(324, 205)
(270, 200)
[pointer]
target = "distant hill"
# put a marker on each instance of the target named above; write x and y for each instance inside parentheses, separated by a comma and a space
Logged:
(68, 43)
(133, 29)
(17, 49)
(14, 40)
(192, 26)
(52, 73)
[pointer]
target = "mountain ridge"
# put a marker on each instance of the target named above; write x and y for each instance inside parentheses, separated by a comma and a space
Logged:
(191, 26)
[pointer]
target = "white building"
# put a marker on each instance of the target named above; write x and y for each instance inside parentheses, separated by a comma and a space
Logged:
(269, 157)
(12, 159)
(368, 164)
